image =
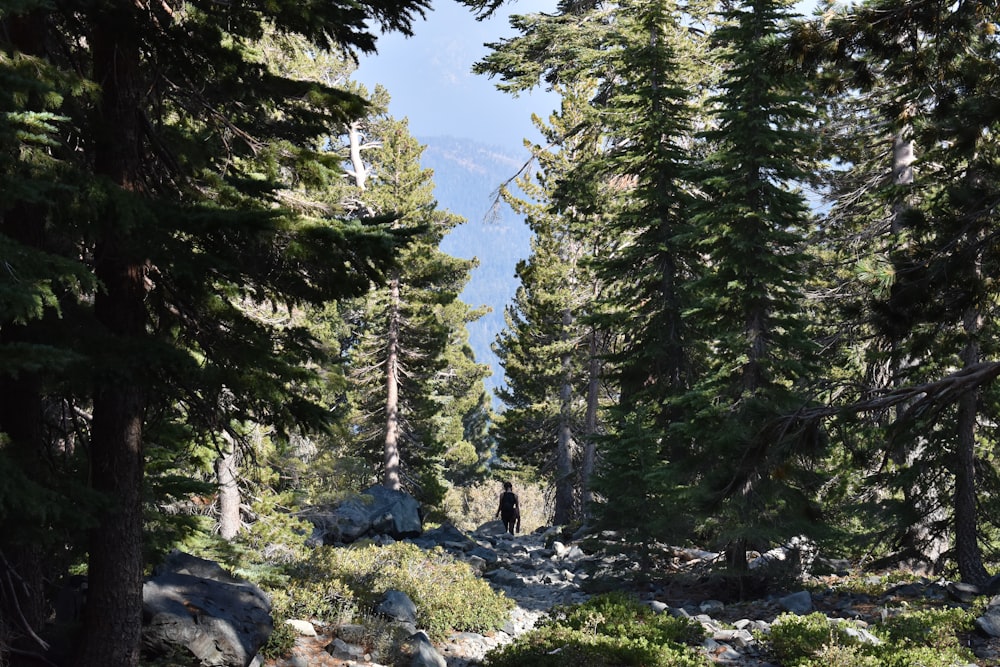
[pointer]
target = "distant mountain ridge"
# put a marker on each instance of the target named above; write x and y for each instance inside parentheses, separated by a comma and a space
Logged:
(467, 175)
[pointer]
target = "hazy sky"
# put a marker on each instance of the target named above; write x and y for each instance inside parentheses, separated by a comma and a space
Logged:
(430, 80)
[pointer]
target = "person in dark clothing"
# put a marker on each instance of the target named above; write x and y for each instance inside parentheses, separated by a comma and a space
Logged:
(509, 510)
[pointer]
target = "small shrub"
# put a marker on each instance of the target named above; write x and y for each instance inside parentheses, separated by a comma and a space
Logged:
(934, 628)
(925, 638)
(608, 630)
(842, 656)
(795, 640)
(619, 614)
(922, 656)
(447, 593)
(281, 641)
(560, 646)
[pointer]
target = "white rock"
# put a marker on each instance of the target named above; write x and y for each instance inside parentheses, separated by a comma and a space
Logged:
(302, 628)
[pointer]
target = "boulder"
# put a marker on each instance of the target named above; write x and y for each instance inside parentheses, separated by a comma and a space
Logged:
(375, 511)
(197, 613)
(798, 603)
(422, 652)
(397, 606)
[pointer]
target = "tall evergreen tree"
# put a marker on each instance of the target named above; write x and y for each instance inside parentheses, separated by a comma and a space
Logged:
(647, 171)
(909, 64)
(405, 332)
(750, 308)
(548, 348)
(177, 225)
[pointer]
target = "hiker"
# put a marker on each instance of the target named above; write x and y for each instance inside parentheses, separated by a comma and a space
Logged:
(509, 510)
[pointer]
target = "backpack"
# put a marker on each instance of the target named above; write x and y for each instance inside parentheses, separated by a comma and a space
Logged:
(507, 501)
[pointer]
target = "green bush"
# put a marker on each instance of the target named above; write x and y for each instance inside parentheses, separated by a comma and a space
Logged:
(560, 646)
(447, 593)
(925, 638)
(843, 656)
(614, 629)
(619, 614)
(922, 656)
(795, 640)
(934, 628)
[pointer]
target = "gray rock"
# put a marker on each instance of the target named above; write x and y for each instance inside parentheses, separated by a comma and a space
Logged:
(214, 618)
(341, 650)
(377, 511)
(711, 607)
(423, 653)
(797, 603)
(989, 623)
(398, 606)
(302, 628)
(963, 592)
(861, 635)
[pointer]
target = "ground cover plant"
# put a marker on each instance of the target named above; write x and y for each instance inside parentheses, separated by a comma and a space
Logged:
(613, 629)
(925, 637)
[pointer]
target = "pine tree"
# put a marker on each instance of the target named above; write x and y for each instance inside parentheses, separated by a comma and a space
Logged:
(178, 226)
(750, 309)
(406, 333)
(546, 349)
(646, 174)
(909, 64)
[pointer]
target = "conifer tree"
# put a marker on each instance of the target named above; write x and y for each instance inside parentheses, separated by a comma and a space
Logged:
(177, 225)
(647, 174)
(548, 347)
(406, 332)
(753, 477)
(914, 63)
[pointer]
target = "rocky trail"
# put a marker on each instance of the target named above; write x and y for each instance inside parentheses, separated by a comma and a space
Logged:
(538, 577)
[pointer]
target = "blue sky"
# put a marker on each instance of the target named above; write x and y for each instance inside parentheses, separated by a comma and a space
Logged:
(429, 77)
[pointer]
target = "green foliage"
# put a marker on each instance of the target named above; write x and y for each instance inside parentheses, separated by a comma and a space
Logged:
(417, 321)
(622, 614)
(606, 631)
(837, 655)
(929, 638)
(281, 640)
(563, 647)
(794, 639)
(447, 593)
(932, 628)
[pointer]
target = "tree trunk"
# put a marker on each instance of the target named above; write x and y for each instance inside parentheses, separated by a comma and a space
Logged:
(566, 446)
(114, 598)
(391, 448)
(920, 538)
(967, 551)
(590, 424)
(358, 169)
(227, 477)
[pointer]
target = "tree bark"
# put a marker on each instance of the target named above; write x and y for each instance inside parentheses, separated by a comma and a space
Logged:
(967, 551)
(566, 444)
(390, 449)
(114, 599)
(590, 424)
(227, 477)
